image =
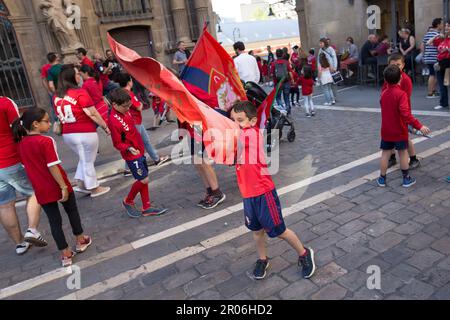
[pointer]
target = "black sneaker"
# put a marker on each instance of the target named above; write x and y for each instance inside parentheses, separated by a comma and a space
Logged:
(202, 203)
(307, 264)
(414, 164)
(392, 162)
(212, 202)
(260, 270)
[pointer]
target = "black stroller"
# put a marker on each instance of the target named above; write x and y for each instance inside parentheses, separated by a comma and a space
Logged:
(278, 119)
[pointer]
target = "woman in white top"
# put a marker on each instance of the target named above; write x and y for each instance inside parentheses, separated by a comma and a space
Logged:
(326, 80)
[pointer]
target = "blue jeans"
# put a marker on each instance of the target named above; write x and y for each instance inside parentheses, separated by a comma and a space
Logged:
(328, 92)
(442, 89)
(12, 179)
(286, 90)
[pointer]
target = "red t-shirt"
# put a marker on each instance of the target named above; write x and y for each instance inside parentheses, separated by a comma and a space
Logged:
(95, 90)
(38, 153)
(124, 135)
(71, 113)
(443, 48)
(295, 78)
(272, 69)
(44, 71)
(88, 62)
(307, 86)
(8, 148)
(312, 62)
(396, 115)
(252, 172)
(135, 113)
(406, 85)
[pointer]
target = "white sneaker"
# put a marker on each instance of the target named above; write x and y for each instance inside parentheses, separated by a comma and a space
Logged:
(438, 108)
(35, 238)
(22, 248)
(327, 104)
(333, 103)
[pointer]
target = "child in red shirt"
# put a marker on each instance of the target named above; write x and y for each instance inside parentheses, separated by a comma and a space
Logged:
(41, 161)
(306, 81)
(407, 86)
(295, 91)
(396, 116)
(128, 141)
(261, 203)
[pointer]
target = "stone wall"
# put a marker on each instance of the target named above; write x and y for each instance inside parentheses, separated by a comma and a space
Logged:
(425, 12)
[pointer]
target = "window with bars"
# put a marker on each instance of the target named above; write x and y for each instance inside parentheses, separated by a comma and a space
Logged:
(119, 10)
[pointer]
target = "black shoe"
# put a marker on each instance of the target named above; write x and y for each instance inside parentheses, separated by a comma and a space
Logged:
(414, 164)
(162, 161)
(260, 270)
(392, 162)
(202, 203)
(212, 202)
(307, 264)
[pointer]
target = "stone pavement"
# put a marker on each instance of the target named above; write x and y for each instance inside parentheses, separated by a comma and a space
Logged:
(340, 212)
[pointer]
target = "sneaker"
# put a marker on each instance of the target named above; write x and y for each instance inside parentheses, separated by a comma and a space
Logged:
(67, 261)
(154, 212)
(333, 103)
(414, 164)
(201, 204)
(308, 115)
(35, 238)
(162, 161)
(327, 104)
(131, 210)
(438, 107)
(81, 190)
(392, 162)
(307, 264)
(431, 96)
(381, 182)
(260, 270)
(127, 173)
(212, 201)
(313, 113)
(104, 190)
(408, 182)
(22, 248)
(82, 246)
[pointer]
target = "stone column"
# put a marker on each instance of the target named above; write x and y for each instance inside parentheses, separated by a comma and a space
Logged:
(304, 31)
(202, 13)
(181, 20)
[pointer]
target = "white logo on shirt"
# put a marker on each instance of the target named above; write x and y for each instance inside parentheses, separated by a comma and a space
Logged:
(122, 122)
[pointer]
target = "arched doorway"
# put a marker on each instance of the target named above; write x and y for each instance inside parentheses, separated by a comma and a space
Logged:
(13, 79)
(137, 38)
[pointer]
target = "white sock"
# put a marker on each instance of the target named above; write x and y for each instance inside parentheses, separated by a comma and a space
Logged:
(33, 230)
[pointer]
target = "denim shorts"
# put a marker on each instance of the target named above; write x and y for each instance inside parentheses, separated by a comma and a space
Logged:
(398, 145)
(14, 179)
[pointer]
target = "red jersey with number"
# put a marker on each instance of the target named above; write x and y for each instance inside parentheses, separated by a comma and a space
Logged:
(125, 135)
(38, 153)
(252, 172)
(8, 148)
(70, 111)
(134, 109)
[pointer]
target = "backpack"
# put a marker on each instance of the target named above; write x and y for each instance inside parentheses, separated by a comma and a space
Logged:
(281, 71)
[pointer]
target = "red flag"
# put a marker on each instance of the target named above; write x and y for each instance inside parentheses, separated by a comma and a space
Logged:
(210, 74)
(220, 132)
(266, 107)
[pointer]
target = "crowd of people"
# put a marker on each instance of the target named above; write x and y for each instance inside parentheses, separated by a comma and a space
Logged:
(97, 94)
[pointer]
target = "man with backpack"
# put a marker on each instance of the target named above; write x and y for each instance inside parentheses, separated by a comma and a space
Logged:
(281, 70)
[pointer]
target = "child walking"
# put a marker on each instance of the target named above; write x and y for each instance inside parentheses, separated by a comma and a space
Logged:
(396, 116)
(49, 180)
(406, 85)
(326, 80)
(306, 81)
(261, 203)
(128, 141)
(295, 91)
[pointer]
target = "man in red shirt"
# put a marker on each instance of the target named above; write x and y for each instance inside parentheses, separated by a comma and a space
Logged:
(281, 69)
(128, 141)
(13, 178)
(84, 60)
(51, 57)
(396, 116)
(407, 86)
(261, 203)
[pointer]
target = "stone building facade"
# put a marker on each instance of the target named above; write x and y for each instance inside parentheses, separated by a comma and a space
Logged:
(29, 29)
(339, 19)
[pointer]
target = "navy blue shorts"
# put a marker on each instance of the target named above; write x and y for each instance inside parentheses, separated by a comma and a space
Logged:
(399, 146)
(432, 71)
(139, 168)
(264, 212)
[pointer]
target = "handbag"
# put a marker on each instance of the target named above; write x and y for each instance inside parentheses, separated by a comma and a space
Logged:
(337, 77)
(57, 128)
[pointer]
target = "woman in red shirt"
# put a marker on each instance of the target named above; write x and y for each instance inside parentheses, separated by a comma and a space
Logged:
(41, 161)
(78, 116)
(93, 85)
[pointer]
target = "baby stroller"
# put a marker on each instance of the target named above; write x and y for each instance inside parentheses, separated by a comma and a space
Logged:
(278, 119)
